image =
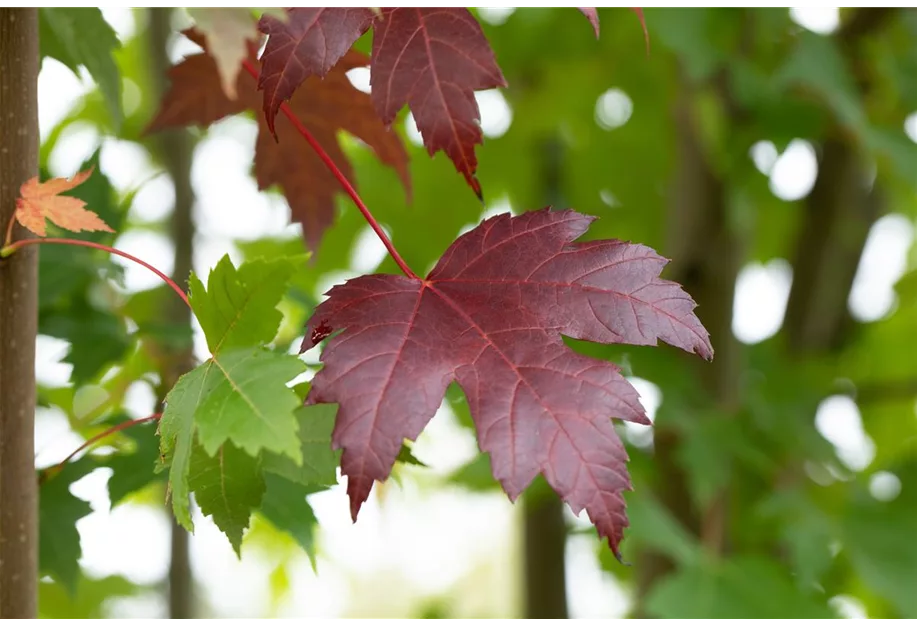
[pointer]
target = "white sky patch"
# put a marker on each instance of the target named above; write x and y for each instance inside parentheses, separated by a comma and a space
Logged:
(75, 144)
(54, 439)
(884, 486)
(49, 369)
(761, 295)
(154, 200)
(359, 78)
(651, 398)
(127, 164)
(838, 420)
(154, 248)
(821, 20)
(58, 91)
(495, 15)
(410, 129)
(910, 126)
(444, 444)
(368, 251)
(764, 154)
(496, 114)
(883, 262)
(613, 109)
(793, 175)
(591, 592)
(121, 19)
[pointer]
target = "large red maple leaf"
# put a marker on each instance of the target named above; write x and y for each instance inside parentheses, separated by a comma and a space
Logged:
(491, 316)
(434, 60)
(308, 43)
(324, 106)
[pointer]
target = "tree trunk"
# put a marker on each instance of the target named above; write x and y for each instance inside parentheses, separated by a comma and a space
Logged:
(545, 533)
(839, 212)
(544, 528)
(19, 63)
(707, 254)
(175, 152)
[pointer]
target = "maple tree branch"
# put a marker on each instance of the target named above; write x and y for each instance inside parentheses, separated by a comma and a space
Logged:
(345, 184)
(6, 251)
(53, 470)
(9, 231)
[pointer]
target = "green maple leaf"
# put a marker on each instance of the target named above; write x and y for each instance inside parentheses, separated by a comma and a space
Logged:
(319, 462)
(134, 470)
(239, 395)
(284, 505)
(228, 486)
(58, 512)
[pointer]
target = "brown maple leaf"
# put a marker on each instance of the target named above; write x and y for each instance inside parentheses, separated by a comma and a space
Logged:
(324, 106)
(38, 202)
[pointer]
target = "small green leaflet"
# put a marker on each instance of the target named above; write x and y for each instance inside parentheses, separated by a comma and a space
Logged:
(227, 486)
(285, 506)
(406, 456)
(238, 396)
(134, 470)
(318, 460)
(81, 36)
(58, 512)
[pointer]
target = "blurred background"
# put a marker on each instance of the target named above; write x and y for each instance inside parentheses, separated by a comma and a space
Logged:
(771, 153)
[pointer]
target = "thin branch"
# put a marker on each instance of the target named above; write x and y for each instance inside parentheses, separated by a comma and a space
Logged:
(53, 470)
(895, 390)
(9, 231)
(348, 187)
(9, 250)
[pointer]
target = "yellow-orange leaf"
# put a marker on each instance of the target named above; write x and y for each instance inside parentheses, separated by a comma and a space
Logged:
(39, 201)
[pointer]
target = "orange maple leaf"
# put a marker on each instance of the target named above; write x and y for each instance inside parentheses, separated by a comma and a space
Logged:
(40, 201)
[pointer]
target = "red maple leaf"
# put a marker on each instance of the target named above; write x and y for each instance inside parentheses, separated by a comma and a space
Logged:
(309, 43)
(323, 105)
(593, 16)
(434, 60)
(491, 316)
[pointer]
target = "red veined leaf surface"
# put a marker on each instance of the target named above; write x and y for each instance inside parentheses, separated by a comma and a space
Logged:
(593, 16)
(309, 43)
(323, 105)
(490, 316)
(433, 60)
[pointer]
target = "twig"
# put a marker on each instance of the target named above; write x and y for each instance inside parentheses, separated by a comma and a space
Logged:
(348, 187)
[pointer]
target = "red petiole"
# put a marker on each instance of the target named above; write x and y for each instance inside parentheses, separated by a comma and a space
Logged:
(345, 184)
(10, 249)
(49, 472)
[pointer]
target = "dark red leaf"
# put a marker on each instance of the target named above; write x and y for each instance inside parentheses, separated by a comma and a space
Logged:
(309, 43)
(434, 60)
(491, 315)
(325, 106)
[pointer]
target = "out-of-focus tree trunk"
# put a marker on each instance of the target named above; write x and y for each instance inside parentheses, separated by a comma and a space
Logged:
(176, 153)
(707, 254)
(544, 528)
(19, 65)
(839, 213)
